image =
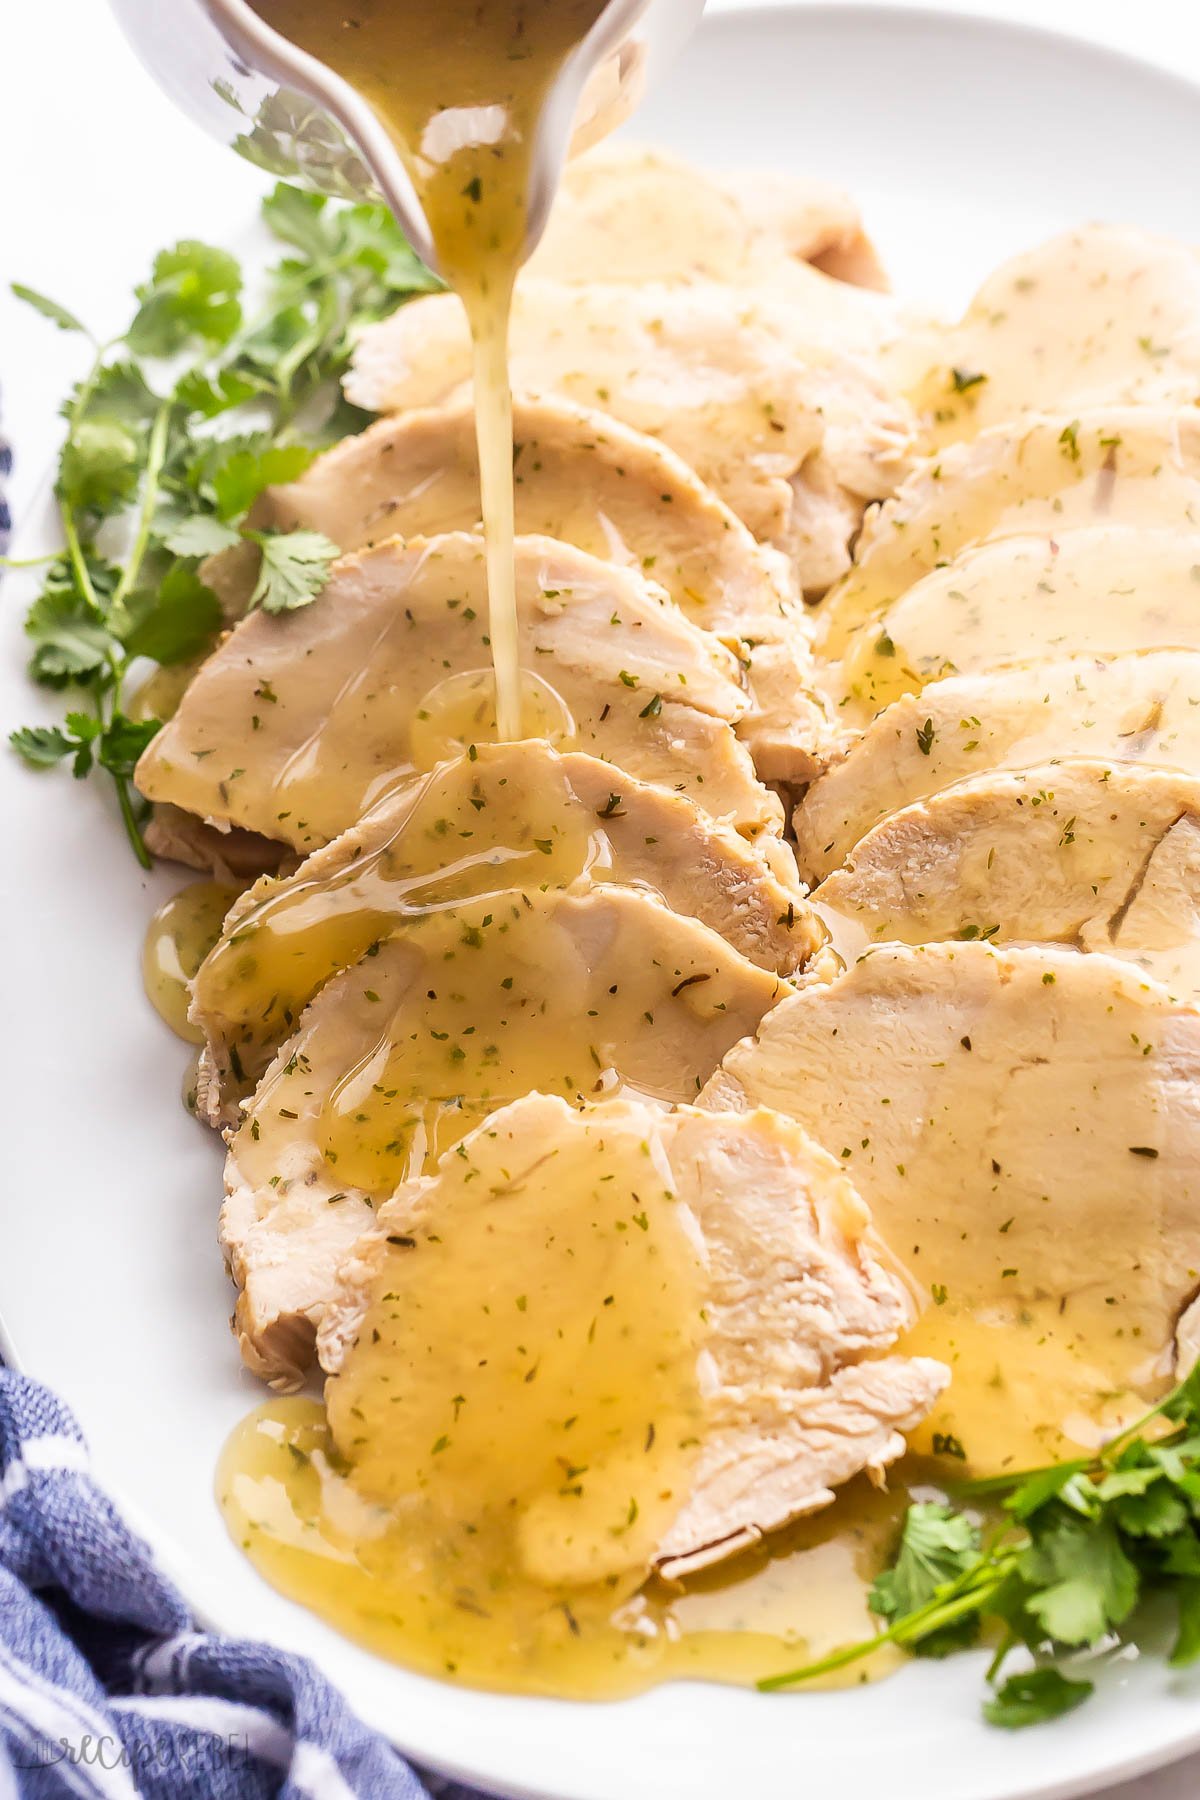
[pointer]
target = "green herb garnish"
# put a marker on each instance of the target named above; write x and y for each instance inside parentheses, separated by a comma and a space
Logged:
(1078, 1546)
(179, 424)
(963, 380)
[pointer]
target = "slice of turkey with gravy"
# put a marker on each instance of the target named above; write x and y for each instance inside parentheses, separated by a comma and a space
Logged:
(795, 434)
(456, 1013)
(631, 214)
(1102, 589)
(701, 1295)
(513, 815)
(1136, 707)
(1054, 854)
(1107, 315)
(582, 478)
(1024, 1126)
(299, 723)
(1037, 482)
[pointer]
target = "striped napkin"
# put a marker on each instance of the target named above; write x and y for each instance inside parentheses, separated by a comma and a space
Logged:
(5, 520)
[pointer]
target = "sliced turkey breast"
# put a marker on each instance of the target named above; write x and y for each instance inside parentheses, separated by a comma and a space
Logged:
(816, 221)
(1104, 315)
(389, 670)
(1041, 855)
(628, 213)
(230, 855)
(1157, 926)
(583, 478)
(1024, 1126)
(717, 1270)
(451, 1016)
(1038, 480)
(1099, 589)
(1132, 708)
(579, 476)
(513, 815)
(795, 435)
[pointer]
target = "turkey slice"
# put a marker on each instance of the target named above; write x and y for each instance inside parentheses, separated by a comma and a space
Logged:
(701, 1294)
(793, 433)
(454, 1014)
(1024, 1126)
(1142, 708)
(300, 722)
(513, 815)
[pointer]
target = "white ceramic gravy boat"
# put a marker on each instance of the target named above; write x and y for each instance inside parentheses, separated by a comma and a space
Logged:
(291, 114)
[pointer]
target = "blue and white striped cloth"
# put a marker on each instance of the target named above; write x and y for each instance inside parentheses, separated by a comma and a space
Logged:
(5, 516)
(108, 1690)
(5, 520)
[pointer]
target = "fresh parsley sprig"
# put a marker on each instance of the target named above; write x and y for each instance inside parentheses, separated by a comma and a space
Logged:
(1076, 1547)
(175, 430)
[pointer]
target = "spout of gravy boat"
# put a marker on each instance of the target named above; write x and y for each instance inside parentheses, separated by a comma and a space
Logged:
(289, 113)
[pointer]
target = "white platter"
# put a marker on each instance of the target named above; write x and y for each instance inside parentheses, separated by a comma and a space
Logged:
(965, 140)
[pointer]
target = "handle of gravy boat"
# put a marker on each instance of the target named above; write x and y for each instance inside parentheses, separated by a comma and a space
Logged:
(288, 113)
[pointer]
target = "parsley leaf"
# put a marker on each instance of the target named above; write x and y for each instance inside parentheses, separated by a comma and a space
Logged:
(227, 474)
(174, 621)
(1183, 1402)
(49, 309)
(1032, 1697)
(936, 1545)
(369, 237)
(294, 569)
(1160, 1512)
(193, 292)
(1187, 1644)
(99, 467)
(41, 745)
(303, 220)
(115, 743)
(211, 395)
(122, 742)
(70, 645)
(1041, 1487)
(83, 730)
(240, 477)
(1082, 1580)
(121, 395)
(71, 640)
(200, 535)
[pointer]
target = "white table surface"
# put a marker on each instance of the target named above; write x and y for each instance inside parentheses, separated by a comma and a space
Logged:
(76, 115)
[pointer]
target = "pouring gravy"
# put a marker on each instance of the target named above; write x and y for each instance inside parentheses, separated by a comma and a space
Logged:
(460, 88)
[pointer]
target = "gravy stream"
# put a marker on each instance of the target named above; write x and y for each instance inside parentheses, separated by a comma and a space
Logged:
(460, 88)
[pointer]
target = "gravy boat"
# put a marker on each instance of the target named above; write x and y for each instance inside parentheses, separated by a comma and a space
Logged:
(292, 115)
